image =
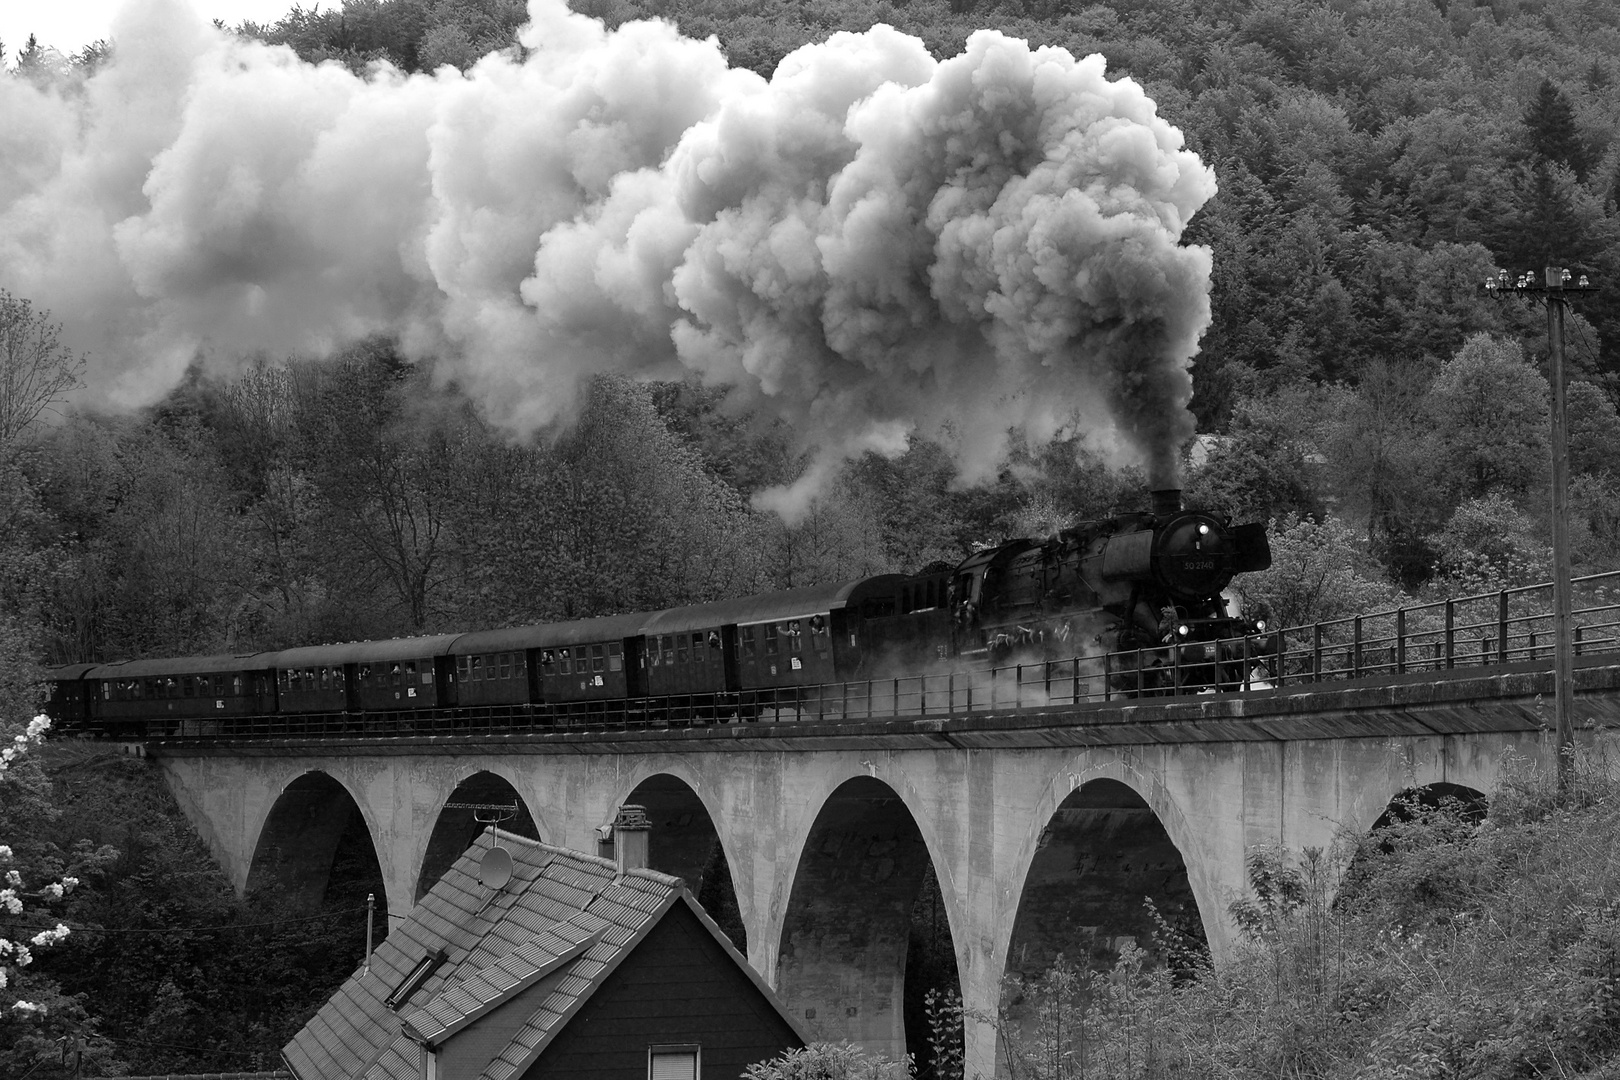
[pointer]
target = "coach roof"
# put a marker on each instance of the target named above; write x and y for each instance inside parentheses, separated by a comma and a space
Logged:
(552, 635)
(772, 607)
(362, 652)
(181, 665)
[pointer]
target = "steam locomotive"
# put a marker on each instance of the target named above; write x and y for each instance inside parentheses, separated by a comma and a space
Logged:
(1136, 596)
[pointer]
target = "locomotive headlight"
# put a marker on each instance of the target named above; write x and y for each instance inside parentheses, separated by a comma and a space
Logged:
(1203, 530)
(1259, 624)
(1183, 629)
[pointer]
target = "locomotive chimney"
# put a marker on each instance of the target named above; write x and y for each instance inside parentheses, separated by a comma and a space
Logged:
(1166, 501)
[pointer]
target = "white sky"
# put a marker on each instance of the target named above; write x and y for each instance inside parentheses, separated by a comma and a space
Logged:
(70, 25)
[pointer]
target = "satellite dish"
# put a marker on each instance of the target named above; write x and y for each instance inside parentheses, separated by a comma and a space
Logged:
(496, 869)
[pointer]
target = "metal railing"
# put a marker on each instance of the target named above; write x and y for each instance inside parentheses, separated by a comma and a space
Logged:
(1510, 626)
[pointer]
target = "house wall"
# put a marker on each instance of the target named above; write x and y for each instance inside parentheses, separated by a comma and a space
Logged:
(678, 986)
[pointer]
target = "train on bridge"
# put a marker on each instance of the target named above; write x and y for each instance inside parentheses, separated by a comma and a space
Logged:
(1144, 589)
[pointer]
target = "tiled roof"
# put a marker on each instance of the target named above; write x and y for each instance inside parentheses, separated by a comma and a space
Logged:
(562, 924)
(458, 1005)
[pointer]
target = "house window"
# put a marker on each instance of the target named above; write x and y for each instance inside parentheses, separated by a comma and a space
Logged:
(413, 980)
(672, 1062)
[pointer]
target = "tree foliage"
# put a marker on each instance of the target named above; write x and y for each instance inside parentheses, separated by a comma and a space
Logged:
(1446, 943)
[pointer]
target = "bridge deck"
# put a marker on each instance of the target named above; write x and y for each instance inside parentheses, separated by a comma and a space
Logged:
(1507, 698)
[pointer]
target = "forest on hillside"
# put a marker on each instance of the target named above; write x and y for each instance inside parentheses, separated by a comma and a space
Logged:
(1376, 161)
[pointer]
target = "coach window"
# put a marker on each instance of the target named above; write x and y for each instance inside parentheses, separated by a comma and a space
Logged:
(477, 668)
(666, 645)
(795, 638)
(506, 665)
(615, 657)
(745, 636)
(771, 644)
(598, 657)
(681, 653)
(564, 666)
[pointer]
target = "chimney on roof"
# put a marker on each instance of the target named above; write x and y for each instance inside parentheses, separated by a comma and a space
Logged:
(630, 829)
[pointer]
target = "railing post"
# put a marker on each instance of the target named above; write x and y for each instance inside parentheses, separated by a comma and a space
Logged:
(1578, 630)
(950, 693)
(922, 695)
(1501, 627)
(1400, 641)
(1316, 652)
(1451, 634)
(1246, 663)
(1018, 687)
(894, 710)
(1356, 664)
(1108, 676)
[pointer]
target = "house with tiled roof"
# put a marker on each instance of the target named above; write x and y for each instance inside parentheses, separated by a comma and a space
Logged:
(527, 960)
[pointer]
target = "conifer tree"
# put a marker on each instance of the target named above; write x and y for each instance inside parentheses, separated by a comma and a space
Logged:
(1550, 126)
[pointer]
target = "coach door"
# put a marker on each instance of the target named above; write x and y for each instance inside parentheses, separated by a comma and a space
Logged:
(728, 649)
(635, 668)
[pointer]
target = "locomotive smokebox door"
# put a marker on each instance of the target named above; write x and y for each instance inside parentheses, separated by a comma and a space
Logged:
(1253, 549)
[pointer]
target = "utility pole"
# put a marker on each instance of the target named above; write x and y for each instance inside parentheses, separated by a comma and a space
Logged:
(1553, 290)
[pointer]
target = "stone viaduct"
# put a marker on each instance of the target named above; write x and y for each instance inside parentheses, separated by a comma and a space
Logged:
(1043, 833)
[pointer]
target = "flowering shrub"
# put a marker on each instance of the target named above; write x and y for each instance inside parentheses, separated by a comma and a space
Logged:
(15, 954)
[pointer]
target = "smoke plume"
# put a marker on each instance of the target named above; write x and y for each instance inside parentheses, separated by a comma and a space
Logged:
(868, 244)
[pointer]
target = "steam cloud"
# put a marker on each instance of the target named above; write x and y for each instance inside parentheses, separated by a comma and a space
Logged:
(869, 243)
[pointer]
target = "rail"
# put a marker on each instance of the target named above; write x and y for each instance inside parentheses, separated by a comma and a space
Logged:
(1509, 626)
